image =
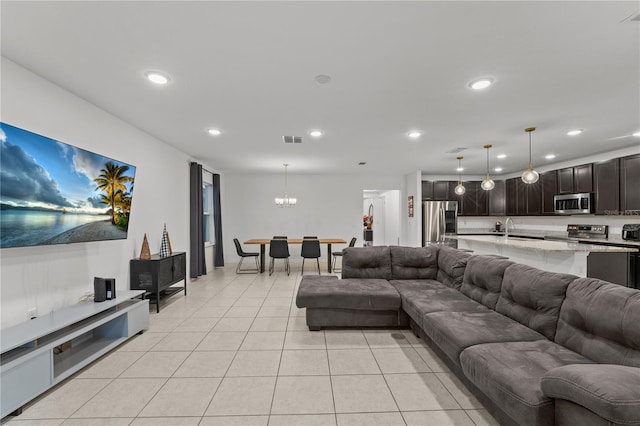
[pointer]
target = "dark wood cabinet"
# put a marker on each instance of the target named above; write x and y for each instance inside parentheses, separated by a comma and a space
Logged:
(441, 190)
(155, 275)
(497, 200)
(583, 178)
(533, 196)
(565, 181)
(549, 184)
(474, 201)
(630, 183)
(427, 190)
(436, 190)
(511, 196)
(575, 179)
(606, 179)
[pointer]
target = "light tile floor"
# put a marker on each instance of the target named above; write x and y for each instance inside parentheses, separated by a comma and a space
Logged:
(236, 351)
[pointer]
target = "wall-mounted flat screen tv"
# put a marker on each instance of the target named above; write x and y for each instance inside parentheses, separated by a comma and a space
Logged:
(55, 193)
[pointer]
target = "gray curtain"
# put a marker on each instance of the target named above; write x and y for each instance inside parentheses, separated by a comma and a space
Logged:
(218, 257)
(197, 264)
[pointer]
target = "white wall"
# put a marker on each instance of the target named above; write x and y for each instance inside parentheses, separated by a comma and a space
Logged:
(328, 206)
(392, 217)
(51, 277)
(412, 226)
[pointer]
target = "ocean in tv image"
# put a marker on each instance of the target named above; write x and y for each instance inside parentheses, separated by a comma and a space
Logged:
(55, 193)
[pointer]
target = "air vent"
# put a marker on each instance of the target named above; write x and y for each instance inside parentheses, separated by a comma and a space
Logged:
(456, 150)
(362, 163)
(633, 18)
(292, 139)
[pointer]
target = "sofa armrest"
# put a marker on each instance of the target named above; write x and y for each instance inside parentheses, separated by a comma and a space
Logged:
(610, 391)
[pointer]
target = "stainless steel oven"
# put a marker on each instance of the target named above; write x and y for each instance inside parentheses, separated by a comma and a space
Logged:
(573, 203)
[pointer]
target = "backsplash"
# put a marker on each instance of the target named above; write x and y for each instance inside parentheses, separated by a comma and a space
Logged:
(546, 223)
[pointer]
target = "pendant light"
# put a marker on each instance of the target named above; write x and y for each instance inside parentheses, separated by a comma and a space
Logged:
(487, 184)
(285, 201)
(459, 189)
(530, 176)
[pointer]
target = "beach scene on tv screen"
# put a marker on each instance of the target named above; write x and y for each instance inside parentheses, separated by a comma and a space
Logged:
(55, 193)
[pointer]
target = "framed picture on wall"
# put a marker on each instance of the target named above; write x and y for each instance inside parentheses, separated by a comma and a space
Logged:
(410, 205)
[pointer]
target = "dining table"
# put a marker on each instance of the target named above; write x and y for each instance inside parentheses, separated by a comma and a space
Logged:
(264, 241)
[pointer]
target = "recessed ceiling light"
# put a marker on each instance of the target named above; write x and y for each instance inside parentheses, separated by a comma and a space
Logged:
(501, 156)
(574, 132)
(481, 83)
(322, 79)
(636, 134)
(498, 169)
(414, 134)
(214, 132)
(459, 169)
(157, 78)
(316, 133)
(550, 156)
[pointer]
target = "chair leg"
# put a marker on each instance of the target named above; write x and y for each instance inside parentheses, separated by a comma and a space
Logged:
(257, 264)
(302, 271)
(318, 263)
(271, 267)
(239, 265)
(286, 266)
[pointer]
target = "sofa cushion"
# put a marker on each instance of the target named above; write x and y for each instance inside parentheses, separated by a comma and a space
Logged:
(451, 266)
(600, 321)
(509, 374)
(610, 391)
(365, 294)
(483, 279)
(455, 331)
(366, 262)
(417, 303)
(411, 263)
(533, 297)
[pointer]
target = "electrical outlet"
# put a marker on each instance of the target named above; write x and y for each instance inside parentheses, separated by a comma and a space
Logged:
(32, 313)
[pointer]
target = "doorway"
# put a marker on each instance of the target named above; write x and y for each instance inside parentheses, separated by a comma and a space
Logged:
(384, 206)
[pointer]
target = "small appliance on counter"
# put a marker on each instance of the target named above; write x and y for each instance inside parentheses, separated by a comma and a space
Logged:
(587, 231)
(631, 232)
(498, 227)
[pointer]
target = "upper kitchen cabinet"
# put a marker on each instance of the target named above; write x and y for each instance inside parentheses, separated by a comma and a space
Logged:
(549, 184)
(606, 182)
(511, 196)
(630, 183)
(576, 179)
(474, 201)
(435, 190)
(497, 199)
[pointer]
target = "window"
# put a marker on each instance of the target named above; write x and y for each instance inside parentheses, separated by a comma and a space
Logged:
(207, 213)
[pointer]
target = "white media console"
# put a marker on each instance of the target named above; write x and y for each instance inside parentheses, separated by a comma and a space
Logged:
(40, 353)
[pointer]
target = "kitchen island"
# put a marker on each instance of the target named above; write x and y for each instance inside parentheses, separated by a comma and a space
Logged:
(556, 256)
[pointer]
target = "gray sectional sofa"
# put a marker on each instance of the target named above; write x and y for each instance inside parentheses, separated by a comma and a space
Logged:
(535, 347)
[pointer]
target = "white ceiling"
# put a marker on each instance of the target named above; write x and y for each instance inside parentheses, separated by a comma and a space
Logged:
(248, 68)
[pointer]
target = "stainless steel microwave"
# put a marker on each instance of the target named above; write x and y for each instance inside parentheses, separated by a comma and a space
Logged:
(573, 203)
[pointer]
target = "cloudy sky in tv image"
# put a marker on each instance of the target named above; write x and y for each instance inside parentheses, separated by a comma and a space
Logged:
(40, 172)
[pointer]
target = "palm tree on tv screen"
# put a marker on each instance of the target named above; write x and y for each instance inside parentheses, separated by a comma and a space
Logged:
(112, 181)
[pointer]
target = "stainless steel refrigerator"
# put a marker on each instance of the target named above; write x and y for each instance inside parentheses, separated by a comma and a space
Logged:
(439, 219)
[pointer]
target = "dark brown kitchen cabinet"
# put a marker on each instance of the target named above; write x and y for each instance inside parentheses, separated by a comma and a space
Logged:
(576, 179)
(497, 200)
(549, 184)
(511, 196)
(427, 190)
(606, 182)
(435, 190)
(630, 183)
(474, 201)
(533, 196)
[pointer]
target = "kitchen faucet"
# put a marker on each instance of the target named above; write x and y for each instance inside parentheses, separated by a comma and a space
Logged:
(506, 226)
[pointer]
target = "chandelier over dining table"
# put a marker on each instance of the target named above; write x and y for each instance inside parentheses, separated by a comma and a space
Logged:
(285, 201)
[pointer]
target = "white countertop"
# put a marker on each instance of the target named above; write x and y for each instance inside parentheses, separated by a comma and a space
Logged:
(541, 234)
(541, 245)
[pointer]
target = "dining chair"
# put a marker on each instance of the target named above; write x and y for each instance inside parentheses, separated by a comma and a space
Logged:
(243, 254)
(279, 237)
(279, 249)
(310, 250)
(310, 237)
(335, 255)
